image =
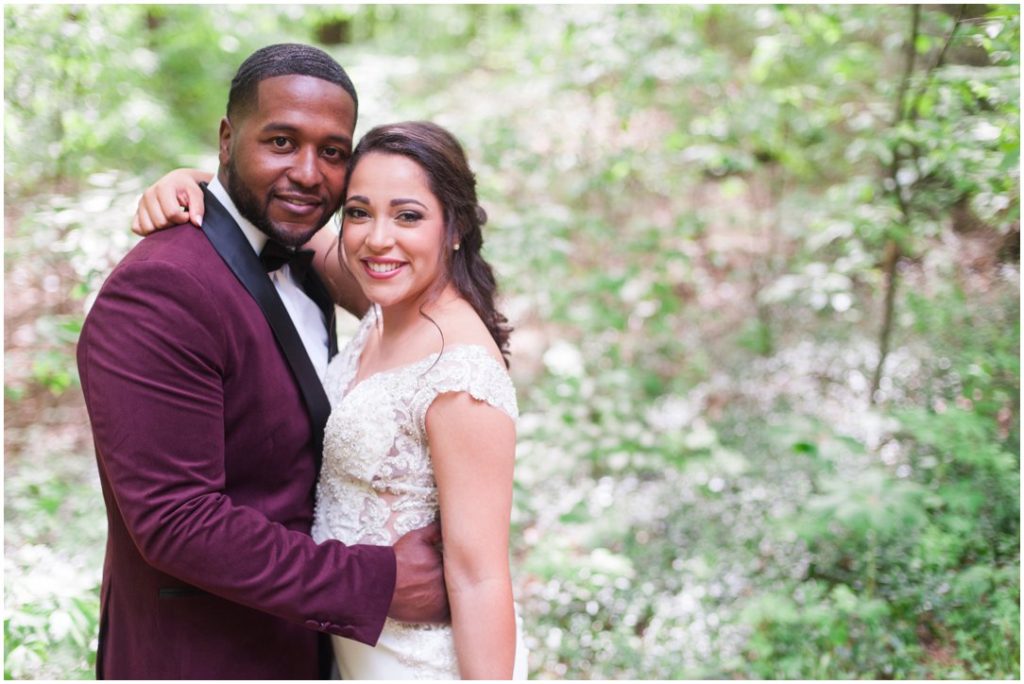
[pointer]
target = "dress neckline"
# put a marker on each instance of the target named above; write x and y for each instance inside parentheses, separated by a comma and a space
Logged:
(363, 335)
(394, 370)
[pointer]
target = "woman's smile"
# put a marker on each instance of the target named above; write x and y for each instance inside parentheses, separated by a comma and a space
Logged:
(382, 269)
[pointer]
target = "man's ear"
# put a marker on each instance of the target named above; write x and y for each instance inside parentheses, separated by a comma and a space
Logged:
(225, 142)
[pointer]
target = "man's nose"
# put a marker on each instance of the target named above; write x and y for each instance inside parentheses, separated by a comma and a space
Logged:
(305, 170)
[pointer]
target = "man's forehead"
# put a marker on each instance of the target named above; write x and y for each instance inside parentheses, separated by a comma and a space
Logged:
(289, 85)
(302, 100)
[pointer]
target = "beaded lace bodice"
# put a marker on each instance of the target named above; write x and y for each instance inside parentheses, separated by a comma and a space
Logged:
(377, 481)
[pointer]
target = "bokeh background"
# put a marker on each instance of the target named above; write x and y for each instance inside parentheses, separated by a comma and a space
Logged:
(763, 262)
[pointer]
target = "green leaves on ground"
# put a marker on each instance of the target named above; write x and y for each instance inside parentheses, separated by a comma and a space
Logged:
(693, 211)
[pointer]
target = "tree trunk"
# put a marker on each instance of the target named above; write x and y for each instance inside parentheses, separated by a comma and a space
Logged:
(903, 112)
(892, 251)
(889, 264)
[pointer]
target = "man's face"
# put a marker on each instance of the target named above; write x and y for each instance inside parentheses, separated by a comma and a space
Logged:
(284, 161)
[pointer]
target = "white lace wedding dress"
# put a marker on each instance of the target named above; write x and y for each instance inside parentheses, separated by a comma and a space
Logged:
(377, 483)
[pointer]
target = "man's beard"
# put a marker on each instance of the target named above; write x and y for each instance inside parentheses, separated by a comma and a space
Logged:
(248, 205)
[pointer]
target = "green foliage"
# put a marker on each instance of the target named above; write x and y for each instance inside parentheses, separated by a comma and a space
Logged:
(55, 533)
(688, 206)
(54, 368)
(67, 114)
(935, 548)
(138, 88)
(824, 633)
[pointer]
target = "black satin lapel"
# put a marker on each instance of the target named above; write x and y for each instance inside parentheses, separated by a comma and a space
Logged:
(229, 241)
(314, 287)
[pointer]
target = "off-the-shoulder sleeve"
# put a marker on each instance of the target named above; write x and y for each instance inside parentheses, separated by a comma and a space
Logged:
(470, 369)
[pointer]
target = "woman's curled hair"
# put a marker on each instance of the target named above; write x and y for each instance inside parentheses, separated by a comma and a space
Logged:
(453, 183)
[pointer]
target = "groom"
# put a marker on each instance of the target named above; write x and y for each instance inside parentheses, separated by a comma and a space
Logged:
(202, 375)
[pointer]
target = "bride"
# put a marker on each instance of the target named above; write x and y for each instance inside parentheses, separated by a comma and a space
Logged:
(423, 414)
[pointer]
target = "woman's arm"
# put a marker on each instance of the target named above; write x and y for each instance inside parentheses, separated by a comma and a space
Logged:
(334, 273)
(472, 447)
(177, 198)
(171, 201)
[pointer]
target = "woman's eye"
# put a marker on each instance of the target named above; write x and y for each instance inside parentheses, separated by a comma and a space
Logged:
(355, 213)
(409, 216)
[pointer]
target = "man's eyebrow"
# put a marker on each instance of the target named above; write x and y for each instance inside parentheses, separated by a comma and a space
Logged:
(280, 126)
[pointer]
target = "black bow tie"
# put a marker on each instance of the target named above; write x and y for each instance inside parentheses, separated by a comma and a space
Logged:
(275, 255)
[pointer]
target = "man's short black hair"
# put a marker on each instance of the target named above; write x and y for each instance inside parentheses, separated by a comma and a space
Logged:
(283, 59)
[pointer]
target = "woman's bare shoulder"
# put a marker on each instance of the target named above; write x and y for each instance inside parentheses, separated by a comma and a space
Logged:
(463, 326)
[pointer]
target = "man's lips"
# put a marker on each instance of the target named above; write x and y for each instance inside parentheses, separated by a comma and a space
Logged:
(301, 205)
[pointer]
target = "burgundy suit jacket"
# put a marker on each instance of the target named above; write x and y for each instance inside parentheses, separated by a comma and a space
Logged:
(208, 459)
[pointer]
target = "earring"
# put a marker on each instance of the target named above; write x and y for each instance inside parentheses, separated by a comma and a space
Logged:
(456, 247)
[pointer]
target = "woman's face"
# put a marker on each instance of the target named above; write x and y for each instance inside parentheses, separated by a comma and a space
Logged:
(393, 230)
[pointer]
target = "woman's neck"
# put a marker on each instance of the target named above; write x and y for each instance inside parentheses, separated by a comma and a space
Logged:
(402, 321)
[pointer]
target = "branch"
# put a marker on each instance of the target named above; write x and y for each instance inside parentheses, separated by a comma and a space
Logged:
(939, 61)
(908, 71)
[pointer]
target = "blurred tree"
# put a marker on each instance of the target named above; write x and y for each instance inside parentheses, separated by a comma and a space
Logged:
(763, 265)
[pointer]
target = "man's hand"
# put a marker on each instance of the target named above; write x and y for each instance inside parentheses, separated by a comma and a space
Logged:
(420, 594)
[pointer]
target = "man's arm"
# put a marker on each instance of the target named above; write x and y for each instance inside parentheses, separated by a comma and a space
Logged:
(152, 362)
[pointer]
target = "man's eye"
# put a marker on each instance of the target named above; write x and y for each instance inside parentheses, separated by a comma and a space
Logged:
(280, 142)
(334, 153)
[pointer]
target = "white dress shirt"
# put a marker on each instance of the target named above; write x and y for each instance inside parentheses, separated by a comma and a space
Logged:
(305, 314)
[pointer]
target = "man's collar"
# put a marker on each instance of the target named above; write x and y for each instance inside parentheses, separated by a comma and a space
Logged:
(256, 237)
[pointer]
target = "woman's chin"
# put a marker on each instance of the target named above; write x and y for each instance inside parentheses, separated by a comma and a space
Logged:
(381, 299)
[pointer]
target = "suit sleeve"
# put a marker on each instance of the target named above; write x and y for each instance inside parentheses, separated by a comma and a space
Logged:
(151, 359)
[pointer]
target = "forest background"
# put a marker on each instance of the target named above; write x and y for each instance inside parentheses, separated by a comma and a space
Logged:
(763, 265)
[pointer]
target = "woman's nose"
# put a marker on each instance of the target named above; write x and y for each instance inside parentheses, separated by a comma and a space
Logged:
(380, 236)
